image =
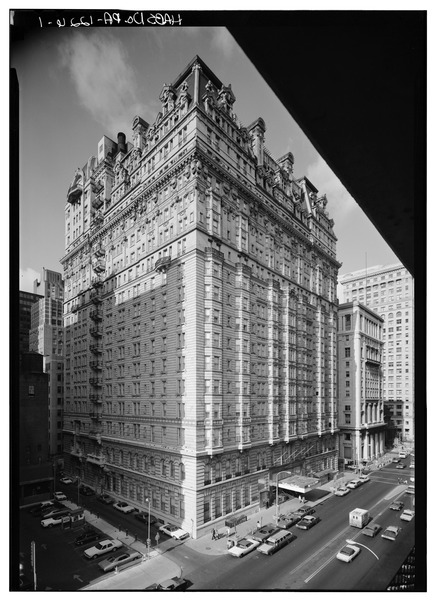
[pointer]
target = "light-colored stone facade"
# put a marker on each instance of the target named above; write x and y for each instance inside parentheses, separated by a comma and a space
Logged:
(200, 313)
(360, 384)
(389, 291)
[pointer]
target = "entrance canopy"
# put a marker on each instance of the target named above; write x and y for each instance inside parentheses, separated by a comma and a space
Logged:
(298, 484)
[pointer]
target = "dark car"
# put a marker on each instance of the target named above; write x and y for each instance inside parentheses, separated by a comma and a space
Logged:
(264, 532)
(143, 518)
(86, 491)
(288, 520)
(397, 505)
(177, 584)
(307, 522)
(87, 536)
(105, 499)
(304, 510)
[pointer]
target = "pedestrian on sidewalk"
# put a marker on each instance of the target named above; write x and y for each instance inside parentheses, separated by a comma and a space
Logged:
(213, 534)
(299, 498)
(258, 524)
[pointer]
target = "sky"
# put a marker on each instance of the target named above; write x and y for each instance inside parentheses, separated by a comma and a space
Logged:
(78, 84)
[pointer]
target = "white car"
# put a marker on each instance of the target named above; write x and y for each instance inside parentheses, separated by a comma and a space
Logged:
(52, 521)
(354, 483)
(111, 563)
(407, 515)
(342, 491)
(348, 553)
(124, 507)
(364, 478)
(243, 547)
(391, 533)
(66, 480)
(59, 496)
(102, 548)
(174, 531)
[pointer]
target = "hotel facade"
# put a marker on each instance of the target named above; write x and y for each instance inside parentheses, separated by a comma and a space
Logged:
(200, 314)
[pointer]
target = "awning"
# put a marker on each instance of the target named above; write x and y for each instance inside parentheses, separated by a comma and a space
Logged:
(298, 483)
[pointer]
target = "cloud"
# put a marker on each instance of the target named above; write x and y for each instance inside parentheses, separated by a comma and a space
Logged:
(103, 77)
(222, 40)
(341, 205)
(27, 277)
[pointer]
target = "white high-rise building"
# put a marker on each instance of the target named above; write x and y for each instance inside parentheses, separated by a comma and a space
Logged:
(389, 291)
(200, 313)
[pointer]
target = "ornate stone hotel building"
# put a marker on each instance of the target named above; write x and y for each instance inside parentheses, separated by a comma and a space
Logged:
(200, 313)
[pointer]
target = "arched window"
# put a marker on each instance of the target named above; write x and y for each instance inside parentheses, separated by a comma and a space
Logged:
(181, 471)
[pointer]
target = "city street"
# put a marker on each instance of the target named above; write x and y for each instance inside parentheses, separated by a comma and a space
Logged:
(308, 563)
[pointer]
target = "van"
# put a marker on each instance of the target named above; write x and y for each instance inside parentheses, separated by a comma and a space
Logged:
(359, 517)
(275, 542)
(402, 455)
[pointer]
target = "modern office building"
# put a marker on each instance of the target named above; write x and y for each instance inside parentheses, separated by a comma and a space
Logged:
(200, 313)
(46, 338)
(389, 291)
(360, 384)
(26, 301)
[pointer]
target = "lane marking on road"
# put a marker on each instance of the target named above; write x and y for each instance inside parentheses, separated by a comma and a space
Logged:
(319, 569)
(319, 550)
(348, 528)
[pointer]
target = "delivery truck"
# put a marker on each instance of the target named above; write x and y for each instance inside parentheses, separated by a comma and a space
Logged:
(359, 517)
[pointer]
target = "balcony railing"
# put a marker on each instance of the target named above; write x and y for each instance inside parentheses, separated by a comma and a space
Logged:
(95, 331)
(96, 459)
(96, 398)
(95, 348)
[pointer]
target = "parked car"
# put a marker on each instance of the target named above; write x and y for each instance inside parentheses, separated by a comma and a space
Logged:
(354, 483)
(412, 465)
(403, 455)
(111, 563)
(342, 491)
(365, 477)
(304, 510)
(264, 532)
(243, 547)
(407, 515)
(176, 584)
(391, 533)
(395, 460)
(124, 507)
(105, 499)
(52, 521)
(288, 520)
(65, 480)
(86, 537)
(43, 507)
(397, 505)
(143, 518)
(348, 553)
(54, 512)
(371, 530)
(59, 496)
(102, 548)
(276, 542)
(174, 531)
(86, 491)
(400, 466)
(307, 522)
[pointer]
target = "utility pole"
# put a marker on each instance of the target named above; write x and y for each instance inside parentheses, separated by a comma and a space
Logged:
(33, 563)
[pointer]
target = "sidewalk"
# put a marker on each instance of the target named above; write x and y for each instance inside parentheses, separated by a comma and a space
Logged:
(159, 567)
(156, 569)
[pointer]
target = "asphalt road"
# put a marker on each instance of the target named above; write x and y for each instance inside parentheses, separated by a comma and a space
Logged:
(309, 562)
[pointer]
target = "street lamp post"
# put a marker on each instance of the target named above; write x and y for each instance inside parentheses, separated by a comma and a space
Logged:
(148, 541)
